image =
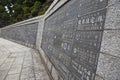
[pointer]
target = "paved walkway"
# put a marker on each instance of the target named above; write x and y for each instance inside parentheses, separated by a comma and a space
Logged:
(18, 62)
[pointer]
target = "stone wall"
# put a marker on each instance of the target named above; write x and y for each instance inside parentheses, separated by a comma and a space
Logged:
(108, 67)
(77, 39)
(23, 32)
(72, 38)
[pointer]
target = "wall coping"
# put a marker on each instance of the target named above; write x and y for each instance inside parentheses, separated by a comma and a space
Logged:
(28, 21)
(54, 7)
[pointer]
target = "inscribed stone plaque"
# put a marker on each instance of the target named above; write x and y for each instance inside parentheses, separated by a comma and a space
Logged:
(72, 38)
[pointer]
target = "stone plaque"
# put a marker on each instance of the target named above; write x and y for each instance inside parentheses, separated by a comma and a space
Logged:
(72, 38)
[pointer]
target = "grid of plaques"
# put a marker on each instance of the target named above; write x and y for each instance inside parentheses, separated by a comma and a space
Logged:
(24, 33)
(72, 38)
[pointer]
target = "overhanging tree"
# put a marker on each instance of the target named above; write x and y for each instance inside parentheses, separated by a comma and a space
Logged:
(12, 11)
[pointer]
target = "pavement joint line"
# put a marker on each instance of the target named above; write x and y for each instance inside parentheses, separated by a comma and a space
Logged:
(21, 67)
(33, 66)
(9, 69)
(4, 60)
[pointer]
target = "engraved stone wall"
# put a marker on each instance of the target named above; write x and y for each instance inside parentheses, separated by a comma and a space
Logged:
(72, 38)
(24, 33)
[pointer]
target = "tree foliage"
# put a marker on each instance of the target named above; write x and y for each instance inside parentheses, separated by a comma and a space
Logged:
(35, 8)
(12, 11)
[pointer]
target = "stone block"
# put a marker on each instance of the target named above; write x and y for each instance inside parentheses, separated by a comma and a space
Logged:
(111, 42)
(39, 32)
(111, 2)
(113, 16)
(12, 77)
(108, 67)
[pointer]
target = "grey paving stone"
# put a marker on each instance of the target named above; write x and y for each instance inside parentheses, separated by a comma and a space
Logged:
(111, 42)
(111, 2)
(3, 74)
(12, 77)
(7, 64)
(109, 67)
(20, 63)
(40, 72)
(15, 70)
(113, 15)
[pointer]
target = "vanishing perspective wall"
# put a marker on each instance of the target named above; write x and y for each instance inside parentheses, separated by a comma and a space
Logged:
(77, 39)
(24, 32)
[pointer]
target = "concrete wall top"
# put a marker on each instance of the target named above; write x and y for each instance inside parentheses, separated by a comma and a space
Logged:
(55, 6)
(32, 20)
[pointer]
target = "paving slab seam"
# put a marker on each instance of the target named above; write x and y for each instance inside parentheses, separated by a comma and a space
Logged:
(9, 70)
(33, 67)
(21, 68)
(4, 60)
(110, 54)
